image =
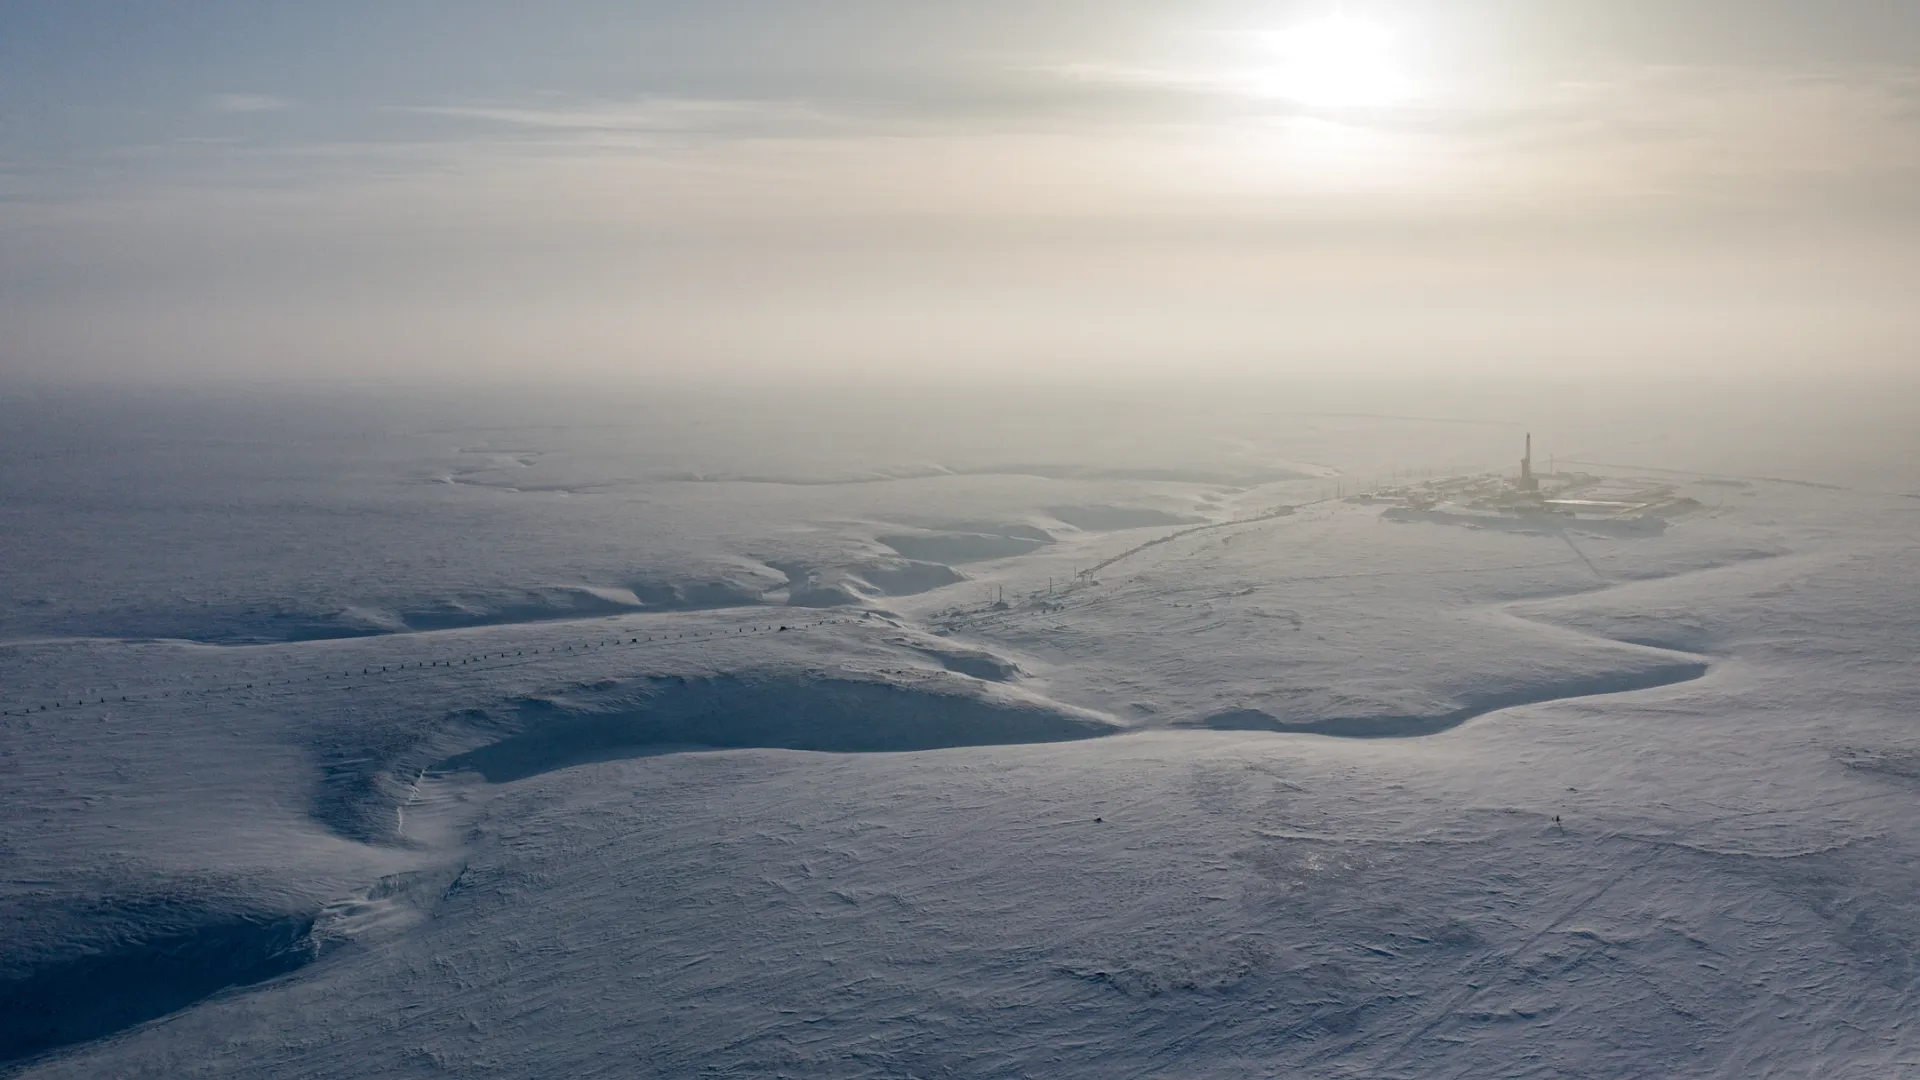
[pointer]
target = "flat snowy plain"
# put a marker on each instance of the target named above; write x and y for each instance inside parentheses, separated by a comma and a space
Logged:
(352, 733)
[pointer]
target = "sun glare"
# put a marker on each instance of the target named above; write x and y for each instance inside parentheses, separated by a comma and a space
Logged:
(1341, 61)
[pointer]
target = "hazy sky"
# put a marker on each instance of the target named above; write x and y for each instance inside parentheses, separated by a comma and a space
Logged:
(817, 189)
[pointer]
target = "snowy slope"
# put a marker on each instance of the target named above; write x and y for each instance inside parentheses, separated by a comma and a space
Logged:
(1276, 797)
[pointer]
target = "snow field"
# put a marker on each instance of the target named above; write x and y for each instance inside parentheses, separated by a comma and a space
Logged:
(1273, 798)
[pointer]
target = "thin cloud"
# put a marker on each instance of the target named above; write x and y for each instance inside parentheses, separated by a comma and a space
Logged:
(653, 115)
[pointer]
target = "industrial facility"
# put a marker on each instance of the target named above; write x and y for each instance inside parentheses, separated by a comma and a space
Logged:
(1604, 504)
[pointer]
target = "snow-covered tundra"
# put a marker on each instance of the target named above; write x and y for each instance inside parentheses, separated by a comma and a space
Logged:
(810, 739)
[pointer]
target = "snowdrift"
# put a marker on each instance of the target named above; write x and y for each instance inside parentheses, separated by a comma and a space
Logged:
(1477, 704)
(136, 959)
(853, 583)
(247, 624)
(960, 547)
(833, 714)
(1119, 518)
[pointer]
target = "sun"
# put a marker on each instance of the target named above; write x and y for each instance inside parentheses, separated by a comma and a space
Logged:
(1341, 61)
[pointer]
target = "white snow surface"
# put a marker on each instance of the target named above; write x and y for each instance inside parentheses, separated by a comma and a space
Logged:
(495, 738)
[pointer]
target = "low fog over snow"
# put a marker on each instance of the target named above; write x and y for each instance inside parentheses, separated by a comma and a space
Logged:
(1353, 539)
(1210, 731)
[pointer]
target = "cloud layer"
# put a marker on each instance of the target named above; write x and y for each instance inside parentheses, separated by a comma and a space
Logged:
(1011, 185)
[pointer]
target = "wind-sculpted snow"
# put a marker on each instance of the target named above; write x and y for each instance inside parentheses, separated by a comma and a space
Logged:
(128, 959)
(960, 547)
(1900, 767)
(1477, 705)
(807, 712)
(979, 663)
(856, 581)
(265, 624)
(549, 811)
